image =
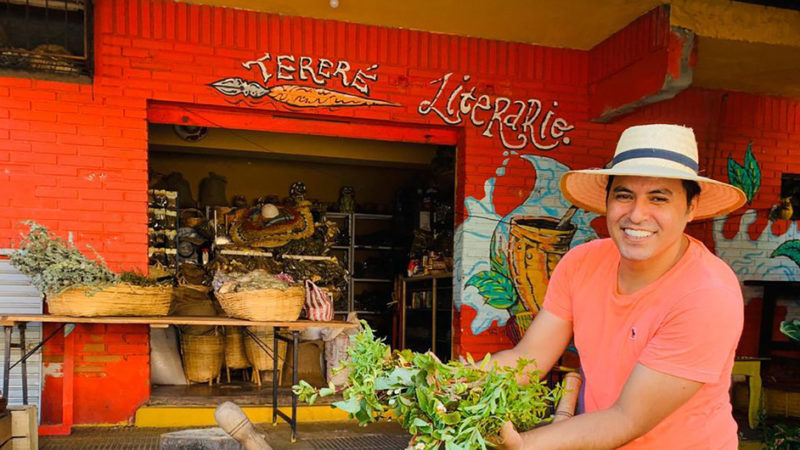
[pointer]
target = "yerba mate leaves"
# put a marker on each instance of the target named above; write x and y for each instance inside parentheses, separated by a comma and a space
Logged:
(456, 405)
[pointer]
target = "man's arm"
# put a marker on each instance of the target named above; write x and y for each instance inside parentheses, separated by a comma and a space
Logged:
(648, 397)
(544, 342)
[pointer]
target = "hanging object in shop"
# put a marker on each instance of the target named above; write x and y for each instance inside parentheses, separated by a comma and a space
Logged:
(517, 123)
(347, 199)
(212, 190)
(297, 192)
(190, 133)
(177, 183)
(322, 72)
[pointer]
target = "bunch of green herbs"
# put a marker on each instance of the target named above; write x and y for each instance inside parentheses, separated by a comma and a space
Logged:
(456, 405)
(55, 265)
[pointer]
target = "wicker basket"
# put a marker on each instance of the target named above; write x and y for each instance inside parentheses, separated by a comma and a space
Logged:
(235, 355)
(202, 357)
(260, 359)
(119, 300)
(264, 304)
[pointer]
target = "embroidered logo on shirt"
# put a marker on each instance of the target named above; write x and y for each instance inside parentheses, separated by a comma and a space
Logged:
(633, 333)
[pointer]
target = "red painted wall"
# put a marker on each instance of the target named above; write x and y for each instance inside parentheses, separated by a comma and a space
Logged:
(74, 156)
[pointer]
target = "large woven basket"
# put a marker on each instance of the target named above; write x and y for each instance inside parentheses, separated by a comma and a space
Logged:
(264, 304)
(202, 356)
(235, 356)
(119, 300)
(260, 359)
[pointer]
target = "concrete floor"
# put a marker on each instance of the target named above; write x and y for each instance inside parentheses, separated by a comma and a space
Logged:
(326, 435)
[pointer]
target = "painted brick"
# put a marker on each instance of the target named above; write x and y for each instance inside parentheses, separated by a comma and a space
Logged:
(162, 51)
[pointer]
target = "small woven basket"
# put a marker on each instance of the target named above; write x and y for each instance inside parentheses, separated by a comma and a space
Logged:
(264, 304)
(119, 300)
(235, 356)
(202, 357)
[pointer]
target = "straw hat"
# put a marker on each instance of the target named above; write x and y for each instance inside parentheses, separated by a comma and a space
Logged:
(660, 151)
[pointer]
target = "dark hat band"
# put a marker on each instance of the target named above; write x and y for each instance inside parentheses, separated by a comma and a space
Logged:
(660, 153)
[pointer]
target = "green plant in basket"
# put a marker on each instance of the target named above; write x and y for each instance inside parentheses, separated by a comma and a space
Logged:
(55, 265)
(455, 405)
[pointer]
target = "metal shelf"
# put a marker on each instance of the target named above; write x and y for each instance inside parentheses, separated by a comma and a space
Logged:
(351, 222)
(372, 216)
(373, 247)
(336, 215)
(372, 280)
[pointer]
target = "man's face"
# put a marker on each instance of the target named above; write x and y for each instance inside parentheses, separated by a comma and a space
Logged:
(646, 216)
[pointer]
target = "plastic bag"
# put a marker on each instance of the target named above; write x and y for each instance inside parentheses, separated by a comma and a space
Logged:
(319, 304)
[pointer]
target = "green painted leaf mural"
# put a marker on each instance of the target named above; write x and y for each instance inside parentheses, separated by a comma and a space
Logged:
(791, 329)
(736, 173)
(498, 262)
(747, 177)
(495, 288)
(753, 171)
(789, 249)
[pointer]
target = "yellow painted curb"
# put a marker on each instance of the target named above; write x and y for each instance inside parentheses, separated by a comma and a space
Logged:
(201, 416)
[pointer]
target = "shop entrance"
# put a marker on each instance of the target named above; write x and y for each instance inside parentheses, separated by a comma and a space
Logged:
(356, 217)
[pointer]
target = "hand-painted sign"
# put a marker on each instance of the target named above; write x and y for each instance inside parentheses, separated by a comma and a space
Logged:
(321, 72)
(518, 123)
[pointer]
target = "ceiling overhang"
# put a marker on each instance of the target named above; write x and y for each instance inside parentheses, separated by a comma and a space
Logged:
(739, 46)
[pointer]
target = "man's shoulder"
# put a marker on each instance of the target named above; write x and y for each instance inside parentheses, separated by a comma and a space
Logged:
(587, 254)
(710, 269)
(706, 283)
(593, 247)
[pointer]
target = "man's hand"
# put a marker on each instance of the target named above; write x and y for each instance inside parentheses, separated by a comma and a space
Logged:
(510, 439)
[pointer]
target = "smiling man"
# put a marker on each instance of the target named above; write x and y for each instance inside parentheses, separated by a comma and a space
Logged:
(655, 316)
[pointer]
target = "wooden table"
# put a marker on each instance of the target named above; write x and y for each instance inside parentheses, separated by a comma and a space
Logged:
(21, 320)
(751, 368)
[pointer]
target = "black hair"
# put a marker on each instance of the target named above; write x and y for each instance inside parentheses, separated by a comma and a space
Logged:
(691, 187)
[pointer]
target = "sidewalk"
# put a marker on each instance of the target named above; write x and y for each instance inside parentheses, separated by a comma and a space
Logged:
(326, 435)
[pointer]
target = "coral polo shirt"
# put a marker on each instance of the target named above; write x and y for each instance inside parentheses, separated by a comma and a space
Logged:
(686, 324)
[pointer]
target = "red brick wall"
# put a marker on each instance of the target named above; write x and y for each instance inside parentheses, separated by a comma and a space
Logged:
(74, 156)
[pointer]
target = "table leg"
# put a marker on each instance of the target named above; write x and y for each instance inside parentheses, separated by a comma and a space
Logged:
(7, 362)
(767, 321)
(275, 381)
(295, 345)
(755, 399)
(22, 351)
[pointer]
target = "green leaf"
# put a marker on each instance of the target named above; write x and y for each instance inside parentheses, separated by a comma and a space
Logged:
(451, 418)
(423, 400)
(736, 174)
(499, 264)
(789, 249)
(496, 289)
(791, 329)
(326, 391)
(417, 422)
(402, 376)
(382, 383)
(353, 405)
(753, 172)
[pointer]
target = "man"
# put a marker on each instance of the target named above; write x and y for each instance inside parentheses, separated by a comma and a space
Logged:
(656, 317)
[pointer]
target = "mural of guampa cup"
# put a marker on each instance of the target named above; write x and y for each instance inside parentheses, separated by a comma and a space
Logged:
(523, 248)
(535, 247)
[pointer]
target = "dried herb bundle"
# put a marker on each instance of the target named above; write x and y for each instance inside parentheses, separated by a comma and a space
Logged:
(454, 405)
(55, 265)
(322, 272)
